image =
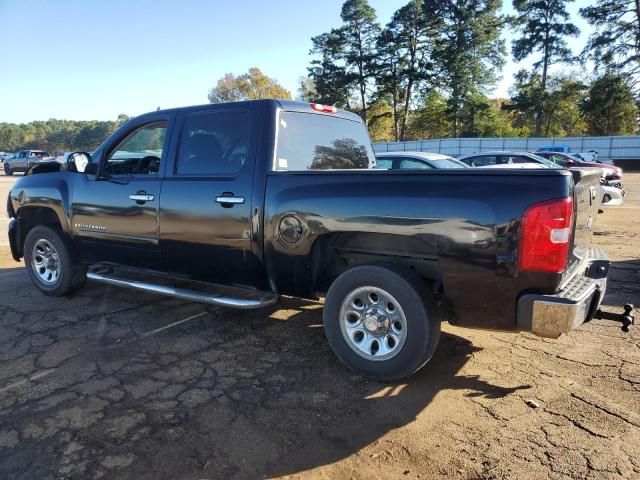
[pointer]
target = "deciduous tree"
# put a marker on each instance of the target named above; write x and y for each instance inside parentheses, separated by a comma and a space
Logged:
(252, 85)
(609, 107)
(430, 120)
(559, 102)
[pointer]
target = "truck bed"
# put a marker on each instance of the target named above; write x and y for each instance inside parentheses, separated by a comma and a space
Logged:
(457, 229)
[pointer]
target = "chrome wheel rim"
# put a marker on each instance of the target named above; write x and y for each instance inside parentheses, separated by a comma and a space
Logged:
(45, 262)
(373, 323)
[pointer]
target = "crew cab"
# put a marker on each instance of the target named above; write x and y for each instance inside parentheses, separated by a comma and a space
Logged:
(236, 204)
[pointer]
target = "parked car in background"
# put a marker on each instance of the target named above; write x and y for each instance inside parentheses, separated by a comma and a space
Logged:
(515, 165)
(569, 160)
(24, 160)
(590, 156)
(611, 174)
(611, 195)
(4, 156)
(555, 148)
(413, 160)
(501, 158)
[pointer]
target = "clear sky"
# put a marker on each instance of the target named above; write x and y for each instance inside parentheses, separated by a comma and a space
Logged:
(94, 59)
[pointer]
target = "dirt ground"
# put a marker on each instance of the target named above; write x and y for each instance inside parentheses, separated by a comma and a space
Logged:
(119, 385)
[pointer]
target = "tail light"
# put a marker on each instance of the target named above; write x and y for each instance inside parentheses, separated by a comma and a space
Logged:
(545, 236)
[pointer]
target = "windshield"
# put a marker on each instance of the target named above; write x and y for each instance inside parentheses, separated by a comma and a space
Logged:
(544, 161)
(308, 141)
(449, 163)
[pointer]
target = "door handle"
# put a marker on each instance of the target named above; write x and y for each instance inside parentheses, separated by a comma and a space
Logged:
(141, 197)
(229, 199)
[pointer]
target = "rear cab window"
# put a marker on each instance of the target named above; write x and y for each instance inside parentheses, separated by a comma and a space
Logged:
(309, 141)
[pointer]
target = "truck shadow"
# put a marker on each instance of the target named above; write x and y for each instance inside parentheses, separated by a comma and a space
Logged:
(230, 394)
(330, 413)
(623, 284)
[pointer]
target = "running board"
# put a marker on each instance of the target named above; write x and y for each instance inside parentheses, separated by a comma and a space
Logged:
(242, 303)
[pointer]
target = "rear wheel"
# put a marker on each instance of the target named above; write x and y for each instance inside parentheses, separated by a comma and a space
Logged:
(51, 262)
(380, 322)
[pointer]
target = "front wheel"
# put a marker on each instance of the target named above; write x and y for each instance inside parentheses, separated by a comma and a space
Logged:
(7, 170)
(51, 262)
(381, 322)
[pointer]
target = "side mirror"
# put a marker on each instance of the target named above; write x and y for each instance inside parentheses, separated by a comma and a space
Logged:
(78, 161)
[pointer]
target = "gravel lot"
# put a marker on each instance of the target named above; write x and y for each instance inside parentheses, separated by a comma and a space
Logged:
(115, 384)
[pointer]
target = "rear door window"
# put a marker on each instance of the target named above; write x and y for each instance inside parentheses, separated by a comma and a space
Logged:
(214, 143)
(384, 163)
(483, 160)
(413, 164)
(308, 141)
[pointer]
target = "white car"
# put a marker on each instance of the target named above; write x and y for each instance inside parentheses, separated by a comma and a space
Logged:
(415, 160)
(611, 196)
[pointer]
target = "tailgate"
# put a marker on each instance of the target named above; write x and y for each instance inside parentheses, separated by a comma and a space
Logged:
(586, 196)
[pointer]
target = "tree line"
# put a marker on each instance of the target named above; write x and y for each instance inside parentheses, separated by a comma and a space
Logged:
(57, 136)
(427, 73)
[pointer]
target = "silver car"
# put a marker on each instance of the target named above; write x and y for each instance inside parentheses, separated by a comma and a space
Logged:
(415, 160)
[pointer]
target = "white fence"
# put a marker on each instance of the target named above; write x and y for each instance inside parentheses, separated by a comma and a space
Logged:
(608, 148)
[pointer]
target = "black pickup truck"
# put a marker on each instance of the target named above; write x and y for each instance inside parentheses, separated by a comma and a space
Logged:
(236, 204)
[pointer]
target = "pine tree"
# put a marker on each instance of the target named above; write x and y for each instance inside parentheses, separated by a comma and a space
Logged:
(405, 49)
(328, 72)
(615, 45)
(358, 36)
(544, 25)
(469, 47)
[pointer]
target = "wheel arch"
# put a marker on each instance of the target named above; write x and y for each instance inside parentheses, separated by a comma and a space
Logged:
(334, 253)
(33, 215)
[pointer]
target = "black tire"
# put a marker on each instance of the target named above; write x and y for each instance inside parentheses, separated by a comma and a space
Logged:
(7, 171)
(72, 274)
(415, 300)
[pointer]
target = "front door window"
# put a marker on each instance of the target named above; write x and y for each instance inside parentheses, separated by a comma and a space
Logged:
(140, 153)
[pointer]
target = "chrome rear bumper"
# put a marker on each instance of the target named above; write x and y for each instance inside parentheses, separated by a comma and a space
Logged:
(552, 315)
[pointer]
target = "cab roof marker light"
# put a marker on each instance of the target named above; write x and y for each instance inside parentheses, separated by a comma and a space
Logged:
(318, 107)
